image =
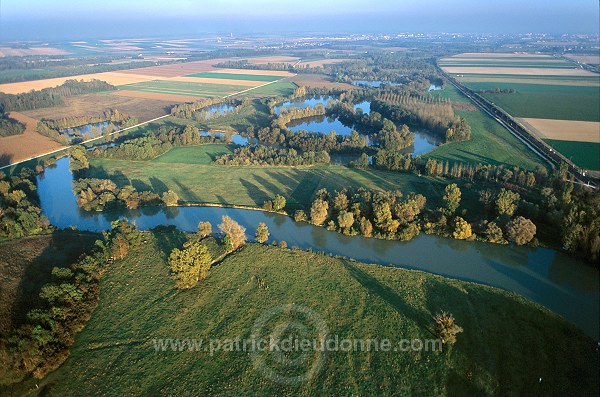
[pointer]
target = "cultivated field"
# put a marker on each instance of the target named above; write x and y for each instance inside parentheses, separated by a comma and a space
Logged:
(556, 100)
(21, 52)
(141, 107)
(564, 130)
(16, 148)
(589, 59)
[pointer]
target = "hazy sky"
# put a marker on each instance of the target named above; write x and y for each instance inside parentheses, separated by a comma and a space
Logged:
(40, 19)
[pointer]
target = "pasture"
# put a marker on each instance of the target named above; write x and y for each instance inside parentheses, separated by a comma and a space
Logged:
(503, 333)
(185, 88)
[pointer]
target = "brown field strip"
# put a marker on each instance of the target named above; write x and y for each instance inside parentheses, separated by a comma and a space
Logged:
(156, 96)
(142, 108)
(255, 72)
(272, 59)
(245, 83)
(518, 71)
(29, 144)
(178, 69)
(589, 59)
(21, 52)
(498, 55)
(564, 130)
(114, 78)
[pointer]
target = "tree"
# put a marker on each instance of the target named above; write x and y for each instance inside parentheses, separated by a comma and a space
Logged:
(79, 160)
(366, 228)
(462, 229)
(204, 229)
(262, 233)
(362, 162)
(452, 198)
(190, 265)
(383, 218)
(345, 220)
(279, 202)
(520, 230)
(170, 198)
(507, 202)
(318, 212)
(446, 328)
(300, 216)
(235, 233)
(340, 202)
(493, 233)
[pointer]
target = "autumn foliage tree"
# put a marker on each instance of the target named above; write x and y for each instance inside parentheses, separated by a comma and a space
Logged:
(235, 234)
(190, 265)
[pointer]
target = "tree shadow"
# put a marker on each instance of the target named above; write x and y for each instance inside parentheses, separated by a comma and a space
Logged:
(63, 249)
(168, 238)
(389, 296)
(5, 159)
(187, 193)
(158, 186)
(255, 192)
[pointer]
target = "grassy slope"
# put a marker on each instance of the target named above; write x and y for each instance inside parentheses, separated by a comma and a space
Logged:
(507, 346)
(584, 154)
(543, 101)
(205, 154)
(490, 143)
(26, 264)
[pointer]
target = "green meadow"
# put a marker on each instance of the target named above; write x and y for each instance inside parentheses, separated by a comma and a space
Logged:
(584, 154)
(236, 76)
(509, 345)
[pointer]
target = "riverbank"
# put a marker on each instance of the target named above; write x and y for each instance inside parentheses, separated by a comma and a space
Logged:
(507, 345)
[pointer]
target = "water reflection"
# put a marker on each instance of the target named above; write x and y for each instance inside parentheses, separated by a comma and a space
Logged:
(561, 283)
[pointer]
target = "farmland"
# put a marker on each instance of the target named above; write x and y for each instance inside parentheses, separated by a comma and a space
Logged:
(553, 98)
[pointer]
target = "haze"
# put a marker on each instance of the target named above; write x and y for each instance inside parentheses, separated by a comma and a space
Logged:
(66, 19)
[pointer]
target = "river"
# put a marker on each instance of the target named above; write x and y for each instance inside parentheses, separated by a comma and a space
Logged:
(563, 284)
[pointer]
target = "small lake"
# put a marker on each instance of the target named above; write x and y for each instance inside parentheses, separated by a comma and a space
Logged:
(434, 88)
(216, 110)
(323, 100)
(86, 130)
(320, 124)
(563, 284)
(374, 83)
(235, 138)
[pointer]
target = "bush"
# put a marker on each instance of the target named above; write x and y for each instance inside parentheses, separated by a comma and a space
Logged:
(446, 328)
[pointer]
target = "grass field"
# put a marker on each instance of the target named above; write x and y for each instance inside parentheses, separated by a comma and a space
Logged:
(236, 76)
(26, 264)
(279, 88)
(205, 154)
(545, 101)
(490, 143)
(172, 87)
(252, 186)
(584, 154)
(508, 343)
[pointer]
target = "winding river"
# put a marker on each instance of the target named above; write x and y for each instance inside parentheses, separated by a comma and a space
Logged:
(562, 284)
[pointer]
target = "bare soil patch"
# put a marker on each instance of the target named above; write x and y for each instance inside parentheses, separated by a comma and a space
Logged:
(548, 81)
(564, 130)
(255, 72)
(29, 144)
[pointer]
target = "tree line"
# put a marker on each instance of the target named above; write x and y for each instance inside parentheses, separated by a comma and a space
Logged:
(49, 97)
(43, 342)
(269, 156)
(20, 214)
(8, 125)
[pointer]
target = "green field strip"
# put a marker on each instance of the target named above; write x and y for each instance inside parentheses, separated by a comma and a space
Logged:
(233, 76)
(542, 101)
(584, 154)
(548, 65)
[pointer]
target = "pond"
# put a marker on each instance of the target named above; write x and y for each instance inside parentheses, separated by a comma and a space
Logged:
(433, 87)
(374, 83)
(563, 284)
(235, 138)
(223, 107)
(86, 131)
(302, 103)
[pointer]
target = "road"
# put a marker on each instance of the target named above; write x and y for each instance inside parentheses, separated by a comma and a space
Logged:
(534, 143)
